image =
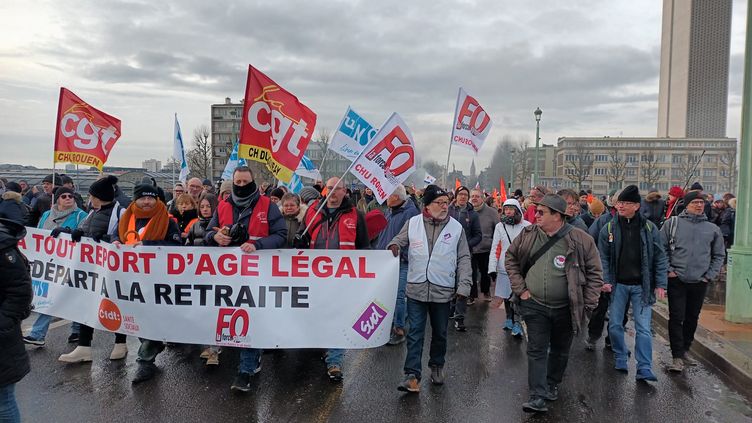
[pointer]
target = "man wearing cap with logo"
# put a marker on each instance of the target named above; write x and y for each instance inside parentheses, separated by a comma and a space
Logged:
(635, 269)
(556, 272)
(146, 222)
(252, 222)
(338, 226)
(438, 260)
(696, 252)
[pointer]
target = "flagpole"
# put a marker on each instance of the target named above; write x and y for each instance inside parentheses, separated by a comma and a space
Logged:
(456, 110)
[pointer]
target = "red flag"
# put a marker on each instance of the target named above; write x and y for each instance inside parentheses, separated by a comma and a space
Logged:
(84, 135)
(503, 190)
(590, 198)
(276, 127)
(457, 183)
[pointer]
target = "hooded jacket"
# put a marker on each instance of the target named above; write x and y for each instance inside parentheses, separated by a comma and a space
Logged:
(699, 250)
(502, 239)
(653, 208)
(15, 303)
(427, 291)
(468, 218)
(653, 262)
(396, 219)
(488, 217)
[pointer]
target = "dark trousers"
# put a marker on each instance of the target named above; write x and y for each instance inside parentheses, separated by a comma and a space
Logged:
(86, 333)
(684, 305)
(480, 268)
(549, 332)
(598, 319)
(149, 350)
(418, 313)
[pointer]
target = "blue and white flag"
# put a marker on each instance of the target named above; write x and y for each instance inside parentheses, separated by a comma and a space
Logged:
(429, 179)
(352, 135)
(178, 152)
(295, 185)
(307, 169)
(232, 163)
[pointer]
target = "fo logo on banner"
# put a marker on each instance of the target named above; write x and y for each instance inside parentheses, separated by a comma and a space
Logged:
(232, 326)
(109, 315)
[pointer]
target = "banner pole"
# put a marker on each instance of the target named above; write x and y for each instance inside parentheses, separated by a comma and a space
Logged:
(456, 111)
(446, 169)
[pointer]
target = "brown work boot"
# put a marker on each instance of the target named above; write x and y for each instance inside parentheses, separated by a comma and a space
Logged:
(410, 384)
(676, 366)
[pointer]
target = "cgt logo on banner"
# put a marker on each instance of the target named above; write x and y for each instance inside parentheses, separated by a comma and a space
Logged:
(276, 128)
(388, 160)
(471, 123)
(84, 135)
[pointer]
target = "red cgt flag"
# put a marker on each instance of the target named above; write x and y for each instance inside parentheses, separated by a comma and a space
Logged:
(84, 135)
(276, 127)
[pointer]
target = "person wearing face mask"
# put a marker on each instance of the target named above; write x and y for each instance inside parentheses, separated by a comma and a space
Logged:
(505, 232)
(252, 222)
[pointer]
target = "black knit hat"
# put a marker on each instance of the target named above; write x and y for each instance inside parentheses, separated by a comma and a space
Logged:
(692, 195)
(13, 186)
(62, 190)
(145, 190)
(583, 192)
(104, 189)
(48, 178)
(277, 192)
(431, 193)
(696, 187)
(630, 193)
(462, 188)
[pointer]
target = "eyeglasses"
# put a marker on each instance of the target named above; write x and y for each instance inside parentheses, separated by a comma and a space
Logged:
(626, 203)
(441, 203)
(65, 196)
(540, 212)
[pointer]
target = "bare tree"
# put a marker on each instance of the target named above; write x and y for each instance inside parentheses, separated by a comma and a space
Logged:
(729, 169)
(579, 165)
(199, 158)
(522, 165)
(616, 169)
(649, 170)
(501, 162)
(687, 167)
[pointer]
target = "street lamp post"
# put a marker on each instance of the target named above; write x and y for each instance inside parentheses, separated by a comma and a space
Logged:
(537, 114)
(511, 169)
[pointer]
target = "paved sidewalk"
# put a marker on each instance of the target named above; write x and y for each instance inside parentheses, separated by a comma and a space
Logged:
(725, 345)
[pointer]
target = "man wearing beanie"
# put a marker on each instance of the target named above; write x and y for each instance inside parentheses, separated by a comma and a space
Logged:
(146, 222)
(308, 195)
(101, 225)
(547, 264)
(43, 200)
(634, 270)
(431, 283)
(696, 252)
(248, 220)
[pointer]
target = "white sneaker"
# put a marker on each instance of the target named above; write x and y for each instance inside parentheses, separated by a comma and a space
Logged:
(119, 351)
(79, 355)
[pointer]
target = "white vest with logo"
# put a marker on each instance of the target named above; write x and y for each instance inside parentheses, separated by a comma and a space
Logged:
(440, 266)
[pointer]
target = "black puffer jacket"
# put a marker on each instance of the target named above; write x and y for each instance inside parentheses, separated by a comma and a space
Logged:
(197, 232)
(97, 223)
(15, 302)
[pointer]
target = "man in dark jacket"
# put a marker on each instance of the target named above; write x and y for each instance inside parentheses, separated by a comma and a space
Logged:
(462, 211)
(43, 200)
(338, 226)
(653, 207)
(488, 217)
(634, 269)
(555, 291)
(15, 305)
(401, 209)
(252, 222)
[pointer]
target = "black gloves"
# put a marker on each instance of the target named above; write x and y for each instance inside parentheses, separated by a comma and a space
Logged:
(76, 235)
(492, 275)
(57, 231)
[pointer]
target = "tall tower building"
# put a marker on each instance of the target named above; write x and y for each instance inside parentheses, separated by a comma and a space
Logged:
(693, 90)
(225, 128)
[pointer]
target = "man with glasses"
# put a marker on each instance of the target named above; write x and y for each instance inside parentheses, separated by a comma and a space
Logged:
(177, 191)
(438, 260)
(547, 264)
(573, 208)
(696, 252)
(536, 195)
(195, 188)
(337, 226)
(635, 270)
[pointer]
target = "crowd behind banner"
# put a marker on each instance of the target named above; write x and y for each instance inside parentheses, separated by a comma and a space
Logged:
(522, 253)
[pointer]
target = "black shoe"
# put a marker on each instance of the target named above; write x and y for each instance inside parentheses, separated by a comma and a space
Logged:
(241, 383)
(335, 373)
(437, 375)
(459, 325)
(552, 394)
(535, 405)
(145, 372)
(73, 338)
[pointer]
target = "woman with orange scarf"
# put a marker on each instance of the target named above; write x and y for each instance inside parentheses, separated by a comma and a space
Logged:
(146, 222)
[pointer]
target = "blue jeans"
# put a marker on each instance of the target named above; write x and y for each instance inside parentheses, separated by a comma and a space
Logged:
(8, 408)
(334, 357)
(250, 360)
(642, 315)
(42, 325)
(401, 308)
(417, 314)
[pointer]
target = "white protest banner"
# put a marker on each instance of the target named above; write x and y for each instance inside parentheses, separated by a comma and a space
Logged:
(471, 123)
(388, 159)
(352, 135)
(217, 296)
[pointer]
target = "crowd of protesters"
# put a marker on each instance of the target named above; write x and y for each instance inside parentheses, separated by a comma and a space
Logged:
(557, 262)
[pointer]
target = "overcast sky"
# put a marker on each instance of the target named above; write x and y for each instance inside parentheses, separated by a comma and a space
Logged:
(591, 66)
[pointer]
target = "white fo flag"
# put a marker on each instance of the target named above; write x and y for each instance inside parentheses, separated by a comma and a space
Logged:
(471, 123)
(178, 152)
(387, 160)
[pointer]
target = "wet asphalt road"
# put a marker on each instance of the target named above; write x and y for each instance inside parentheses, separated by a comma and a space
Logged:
(486, 382)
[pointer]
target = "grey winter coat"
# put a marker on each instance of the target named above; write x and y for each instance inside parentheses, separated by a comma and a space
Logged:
(488, 217)
(699, 250)
(426, 291)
